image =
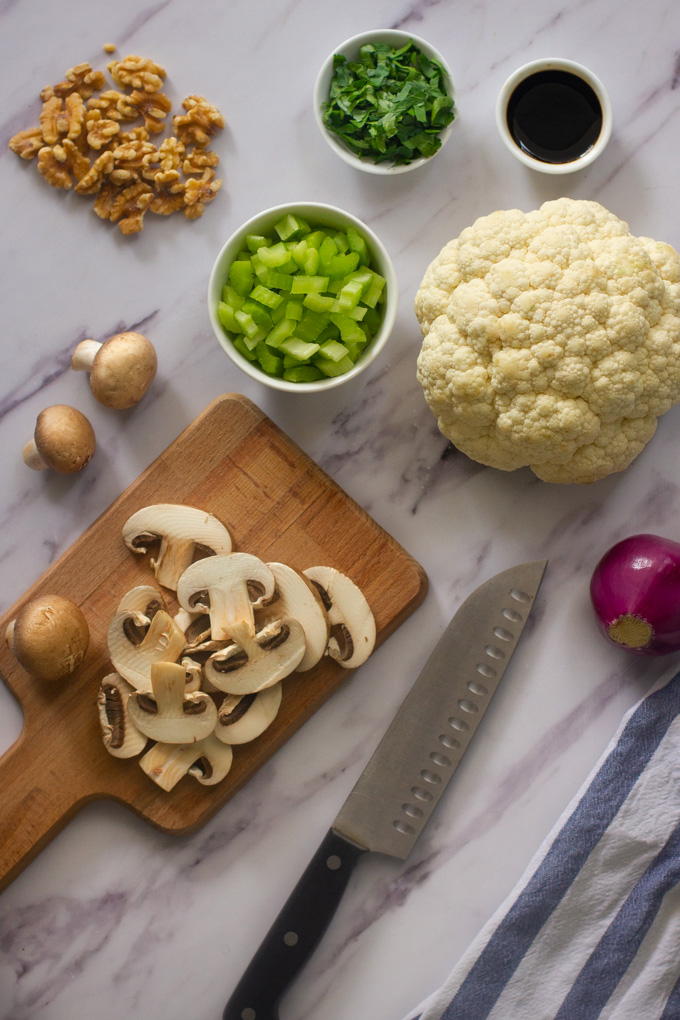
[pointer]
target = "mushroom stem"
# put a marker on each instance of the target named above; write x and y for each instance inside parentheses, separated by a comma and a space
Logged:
(32, 458)
(84, 355)
(173, 560)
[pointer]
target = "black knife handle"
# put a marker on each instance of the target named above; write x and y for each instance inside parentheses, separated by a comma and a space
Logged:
(296, 932)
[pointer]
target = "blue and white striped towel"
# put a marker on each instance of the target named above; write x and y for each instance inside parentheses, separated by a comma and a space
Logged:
(592, 929)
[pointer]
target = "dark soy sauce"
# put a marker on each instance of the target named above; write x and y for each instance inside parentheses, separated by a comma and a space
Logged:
(554, 116)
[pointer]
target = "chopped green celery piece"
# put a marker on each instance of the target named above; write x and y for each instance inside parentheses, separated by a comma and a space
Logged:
(298, 349)
(269, 361)
(374, 290)
(310, 325)
(363, 275)
(354, 350)
(247, 324)
(242, 349)
(335, 286)
(331, 368)
(302, 374)
(258, 314)
(333, 350)
(243, 256)
(299, 252)
(357, 244)
(341, 241)
(341, 265)
(327, 251)
(291, 226)
(319, 302)
(329, 332)
(266, 296)
(225, 313)
(230, 297)
(349, 329)
(281, 331)
(278, 313)
(315, 239)
(276, 256)
(372, 320)
(277, 280)
(348, 297)
(241, 277)
(307, 284)
(261, 271)
(255, 241)
(294, 308)
(356, 313)
(311, 262)
(289, 362)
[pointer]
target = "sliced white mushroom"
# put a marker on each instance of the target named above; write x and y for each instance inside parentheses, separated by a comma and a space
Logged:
(144, 599)
(227, 587)
(121, 737)
(297, 597)
(352, 623)
(241, 719)
(194, 673)
(181, 530)
(207, 761)
(133, 650)
(167, 713)
(257, 662)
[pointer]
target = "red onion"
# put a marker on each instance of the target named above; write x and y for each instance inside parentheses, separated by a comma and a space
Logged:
(635, 589)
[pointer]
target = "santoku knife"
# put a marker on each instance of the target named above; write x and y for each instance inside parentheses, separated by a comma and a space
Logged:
(402, 783)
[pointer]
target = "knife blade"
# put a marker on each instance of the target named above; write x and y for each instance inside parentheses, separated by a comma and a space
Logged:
(403, 782)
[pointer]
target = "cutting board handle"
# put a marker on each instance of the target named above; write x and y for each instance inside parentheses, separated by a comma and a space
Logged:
(35, 803)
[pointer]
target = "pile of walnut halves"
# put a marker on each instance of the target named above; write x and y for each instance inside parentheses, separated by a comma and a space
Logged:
(80, 141)
(209, 677)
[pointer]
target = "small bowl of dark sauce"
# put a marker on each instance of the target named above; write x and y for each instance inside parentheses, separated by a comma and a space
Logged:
(554, 116)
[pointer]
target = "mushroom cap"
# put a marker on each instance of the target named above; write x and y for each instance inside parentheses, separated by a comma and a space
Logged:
(64, 438)
(243, 718)
(298, 597)
(180, 530)
(353, 630)
(49, 637)
(247, 668)
(121, 737)
(123, 369)
(207, 761)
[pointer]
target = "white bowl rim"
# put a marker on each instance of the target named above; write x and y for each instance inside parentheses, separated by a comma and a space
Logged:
(216, 281)
(338, 148)
(557, 64)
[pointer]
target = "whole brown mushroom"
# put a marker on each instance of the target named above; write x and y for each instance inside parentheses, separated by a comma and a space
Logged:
(49, 637)
(121, 369)
(63, 441)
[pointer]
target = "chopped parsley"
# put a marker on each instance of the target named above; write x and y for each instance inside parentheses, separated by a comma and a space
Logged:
(390, 105)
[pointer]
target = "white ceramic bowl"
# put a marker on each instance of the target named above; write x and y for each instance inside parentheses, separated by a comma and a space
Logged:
(554, 64)
(318, 214)
(350, 49)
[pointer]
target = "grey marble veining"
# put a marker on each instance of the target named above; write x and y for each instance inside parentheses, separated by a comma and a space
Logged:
(113, 918)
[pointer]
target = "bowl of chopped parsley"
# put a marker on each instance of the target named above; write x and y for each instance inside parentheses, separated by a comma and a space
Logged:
(385, 101)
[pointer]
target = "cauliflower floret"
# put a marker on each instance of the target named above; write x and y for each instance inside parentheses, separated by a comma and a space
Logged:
(551, 339)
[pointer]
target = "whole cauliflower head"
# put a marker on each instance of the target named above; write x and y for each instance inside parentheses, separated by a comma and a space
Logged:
(551, 339)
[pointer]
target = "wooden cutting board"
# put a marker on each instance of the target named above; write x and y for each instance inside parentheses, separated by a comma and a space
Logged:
(278, 504)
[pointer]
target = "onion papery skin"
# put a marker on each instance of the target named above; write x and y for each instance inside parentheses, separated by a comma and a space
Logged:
(640, 577)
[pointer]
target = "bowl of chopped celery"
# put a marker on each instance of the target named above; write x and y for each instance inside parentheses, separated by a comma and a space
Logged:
(385, 101)
(302, 297)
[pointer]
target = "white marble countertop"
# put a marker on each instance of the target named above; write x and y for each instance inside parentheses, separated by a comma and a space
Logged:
(113, 918)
